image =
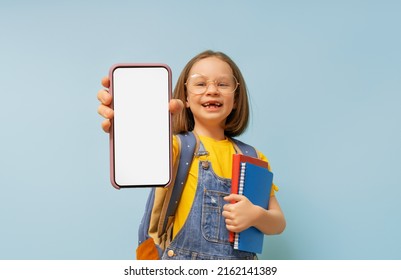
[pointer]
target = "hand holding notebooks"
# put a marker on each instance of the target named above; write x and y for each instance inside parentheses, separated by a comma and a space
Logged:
(251, 178)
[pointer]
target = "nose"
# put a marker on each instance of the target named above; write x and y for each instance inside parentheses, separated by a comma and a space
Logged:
(211, 90)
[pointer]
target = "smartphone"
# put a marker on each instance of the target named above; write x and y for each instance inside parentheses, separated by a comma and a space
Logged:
(140, 135)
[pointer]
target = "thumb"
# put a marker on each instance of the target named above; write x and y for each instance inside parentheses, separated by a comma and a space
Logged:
(175, 106)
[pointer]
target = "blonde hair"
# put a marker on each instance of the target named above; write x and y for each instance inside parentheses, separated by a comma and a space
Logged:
(236, 122)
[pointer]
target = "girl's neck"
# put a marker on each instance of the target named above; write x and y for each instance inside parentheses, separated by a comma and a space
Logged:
(216, 133)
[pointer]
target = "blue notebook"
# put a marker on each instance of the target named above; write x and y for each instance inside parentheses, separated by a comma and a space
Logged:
(255, 183)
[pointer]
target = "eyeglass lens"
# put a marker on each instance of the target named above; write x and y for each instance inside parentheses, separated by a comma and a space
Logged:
(198, 84)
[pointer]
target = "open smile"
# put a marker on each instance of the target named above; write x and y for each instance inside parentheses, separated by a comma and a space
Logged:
(212, 104)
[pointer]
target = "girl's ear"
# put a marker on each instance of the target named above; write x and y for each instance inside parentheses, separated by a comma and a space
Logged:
(187, 103)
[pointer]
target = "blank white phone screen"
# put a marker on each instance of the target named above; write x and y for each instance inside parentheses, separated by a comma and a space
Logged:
(141, 127)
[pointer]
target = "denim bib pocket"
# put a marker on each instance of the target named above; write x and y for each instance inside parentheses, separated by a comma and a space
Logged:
(213, 223)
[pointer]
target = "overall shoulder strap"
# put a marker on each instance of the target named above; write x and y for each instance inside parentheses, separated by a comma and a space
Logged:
(188, 144)
(244, 148)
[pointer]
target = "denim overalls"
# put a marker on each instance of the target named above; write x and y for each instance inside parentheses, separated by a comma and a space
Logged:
(204, 235)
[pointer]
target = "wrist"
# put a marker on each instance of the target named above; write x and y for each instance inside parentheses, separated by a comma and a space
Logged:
(258, 216)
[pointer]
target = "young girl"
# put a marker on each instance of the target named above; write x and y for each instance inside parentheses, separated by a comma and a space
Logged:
(210, 99)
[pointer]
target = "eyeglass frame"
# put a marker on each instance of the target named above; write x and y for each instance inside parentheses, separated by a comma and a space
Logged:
(214, 82)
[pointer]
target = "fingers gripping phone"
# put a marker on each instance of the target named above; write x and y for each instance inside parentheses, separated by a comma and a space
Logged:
(140, 136)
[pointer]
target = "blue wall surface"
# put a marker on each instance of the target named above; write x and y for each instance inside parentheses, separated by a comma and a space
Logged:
(325, 85)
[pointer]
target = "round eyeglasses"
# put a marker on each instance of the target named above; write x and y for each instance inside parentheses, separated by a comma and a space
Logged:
(199, 84)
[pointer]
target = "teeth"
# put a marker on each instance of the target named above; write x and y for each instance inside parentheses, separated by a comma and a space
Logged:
(212, 104)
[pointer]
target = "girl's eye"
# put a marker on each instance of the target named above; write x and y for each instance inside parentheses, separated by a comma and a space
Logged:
(200, 84)
(225, 83)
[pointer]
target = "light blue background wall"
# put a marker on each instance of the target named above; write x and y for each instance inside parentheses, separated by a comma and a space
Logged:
(325, 85)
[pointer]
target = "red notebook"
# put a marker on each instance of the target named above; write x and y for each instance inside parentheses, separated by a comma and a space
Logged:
(236, 170)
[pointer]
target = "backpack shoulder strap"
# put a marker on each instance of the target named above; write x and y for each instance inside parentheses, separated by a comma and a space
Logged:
(188, 143)
(243, 148)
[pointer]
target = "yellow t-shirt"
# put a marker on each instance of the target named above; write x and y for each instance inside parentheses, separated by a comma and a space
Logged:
(220, 155)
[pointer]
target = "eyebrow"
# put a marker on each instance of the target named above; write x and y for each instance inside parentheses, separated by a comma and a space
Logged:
(222, 75)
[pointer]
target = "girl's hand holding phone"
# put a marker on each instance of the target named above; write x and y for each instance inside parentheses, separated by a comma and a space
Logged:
(105, 98)
(104, 108)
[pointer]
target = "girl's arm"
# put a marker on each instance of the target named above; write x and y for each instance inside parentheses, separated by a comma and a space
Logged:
(243, 214)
